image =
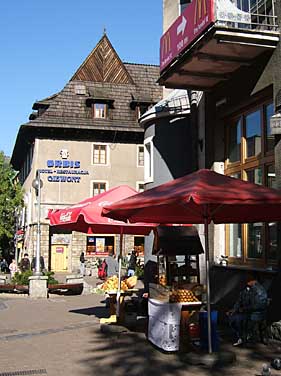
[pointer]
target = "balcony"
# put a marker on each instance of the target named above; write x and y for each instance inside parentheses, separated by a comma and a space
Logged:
(212, 39)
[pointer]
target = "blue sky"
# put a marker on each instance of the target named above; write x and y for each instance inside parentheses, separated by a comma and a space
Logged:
(43, 43)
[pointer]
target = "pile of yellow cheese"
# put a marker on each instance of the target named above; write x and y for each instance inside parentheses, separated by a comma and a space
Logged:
(111, 284)
(182, 296)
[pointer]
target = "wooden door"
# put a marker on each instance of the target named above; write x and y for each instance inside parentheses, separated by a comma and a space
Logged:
(59, 258)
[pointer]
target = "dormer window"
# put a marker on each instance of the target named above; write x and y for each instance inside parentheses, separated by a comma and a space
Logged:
(100, 110)
(100, 107)
(80, 89)
(141, 106)
(141, 109)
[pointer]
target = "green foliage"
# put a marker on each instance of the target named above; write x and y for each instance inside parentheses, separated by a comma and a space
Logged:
(51, 278)
(22, 278)
(139, 271)
(11, 199)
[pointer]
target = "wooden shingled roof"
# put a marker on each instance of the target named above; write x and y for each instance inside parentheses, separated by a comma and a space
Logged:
(103, 65)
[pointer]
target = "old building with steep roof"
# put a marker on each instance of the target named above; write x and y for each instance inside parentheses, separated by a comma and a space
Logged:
(84, 140)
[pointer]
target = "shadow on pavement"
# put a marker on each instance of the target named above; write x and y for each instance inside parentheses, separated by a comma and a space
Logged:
(131, 354)
(98, 312)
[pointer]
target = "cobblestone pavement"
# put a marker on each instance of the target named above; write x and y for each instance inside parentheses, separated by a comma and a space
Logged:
(62, 336)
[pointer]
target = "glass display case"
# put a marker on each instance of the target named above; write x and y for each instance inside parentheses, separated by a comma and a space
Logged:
(178, 265)
(177, 271)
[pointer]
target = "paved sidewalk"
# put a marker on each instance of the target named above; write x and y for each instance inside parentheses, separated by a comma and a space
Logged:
(61, 336)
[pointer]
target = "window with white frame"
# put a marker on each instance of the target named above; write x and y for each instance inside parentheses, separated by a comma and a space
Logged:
(98, 187)
(148, 159)
(140, 155)
(100, 110)
(100, 154)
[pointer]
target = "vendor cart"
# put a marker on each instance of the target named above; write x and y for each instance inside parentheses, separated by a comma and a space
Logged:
(174, 301)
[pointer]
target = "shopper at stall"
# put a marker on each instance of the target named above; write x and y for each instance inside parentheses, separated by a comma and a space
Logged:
(112, 265)
(250, 307)
(132, 264)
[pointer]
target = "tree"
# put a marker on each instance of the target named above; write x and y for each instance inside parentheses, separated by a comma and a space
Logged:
(11, 199)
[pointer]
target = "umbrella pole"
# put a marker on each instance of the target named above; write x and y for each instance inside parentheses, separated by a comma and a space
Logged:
(119, 274)
(207, 265)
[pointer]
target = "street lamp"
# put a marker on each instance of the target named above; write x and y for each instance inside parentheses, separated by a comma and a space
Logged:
(37, 184)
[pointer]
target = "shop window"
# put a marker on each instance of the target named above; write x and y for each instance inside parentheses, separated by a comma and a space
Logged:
(254, 240)
(255, 175)
(255, 230)
(100, 154)
(249, 157)
(235, 233)
(271, 228)
(100, 110)
(253, 134)
(271, 176)
(140, 155)
(139, 245)
(98, 187)
(234, 141)
(235, 240)
(100, 245)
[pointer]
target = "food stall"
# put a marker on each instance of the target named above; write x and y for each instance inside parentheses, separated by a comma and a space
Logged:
(174, 301)
(110, 288)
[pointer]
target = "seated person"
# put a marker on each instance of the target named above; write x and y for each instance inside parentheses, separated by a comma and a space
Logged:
(250, 307)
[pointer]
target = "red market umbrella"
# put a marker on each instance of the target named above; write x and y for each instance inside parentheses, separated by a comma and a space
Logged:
(85, 216)
(201, 197)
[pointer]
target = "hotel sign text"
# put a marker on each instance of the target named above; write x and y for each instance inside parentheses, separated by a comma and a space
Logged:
(63, 171)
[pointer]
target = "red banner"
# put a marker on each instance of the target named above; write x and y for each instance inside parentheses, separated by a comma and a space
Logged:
(194, 20)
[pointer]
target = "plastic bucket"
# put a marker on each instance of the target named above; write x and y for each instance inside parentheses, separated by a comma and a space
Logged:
(203, 323)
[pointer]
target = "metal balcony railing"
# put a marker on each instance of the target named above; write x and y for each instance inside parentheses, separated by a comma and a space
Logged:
(247, 14)
(174, 105)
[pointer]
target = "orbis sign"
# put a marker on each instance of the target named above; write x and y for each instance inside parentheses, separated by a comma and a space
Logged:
(63, 170)
(194, 20)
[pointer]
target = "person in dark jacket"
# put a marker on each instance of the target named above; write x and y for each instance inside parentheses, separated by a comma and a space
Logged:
(24, 263)
(82, 264)
(41, 262)
(250, 306)
(132, 264)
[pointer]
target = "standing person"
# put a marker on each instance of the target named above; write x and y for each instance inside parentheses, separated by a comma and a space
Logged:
(112, 265)
(13, 268)
(82, 264)
(41, 261)
(4, 266)
(24, 263)
(132, 264)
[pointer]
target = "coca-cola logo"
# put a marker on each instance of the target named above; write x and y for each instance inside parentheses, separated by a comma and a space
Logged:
(66, 217)
(104, 203)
